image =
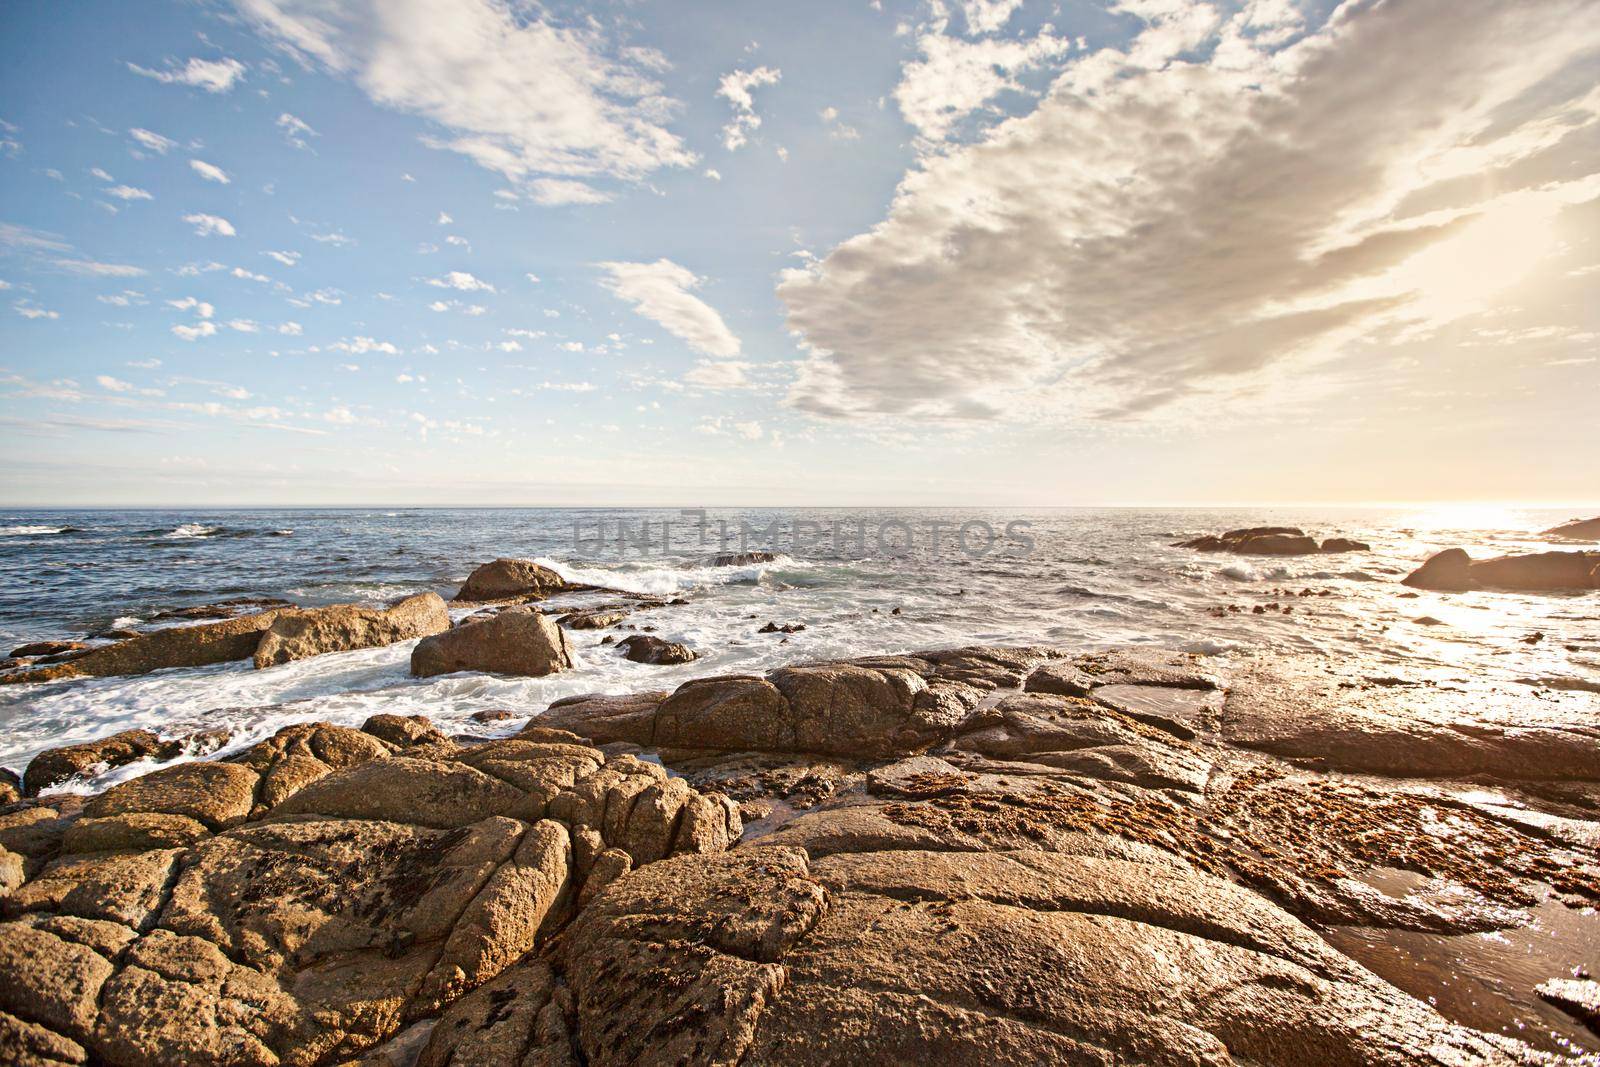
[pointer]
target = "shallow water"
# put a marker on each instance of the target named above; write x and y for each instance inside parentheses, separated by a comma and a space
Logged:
(1096, 577)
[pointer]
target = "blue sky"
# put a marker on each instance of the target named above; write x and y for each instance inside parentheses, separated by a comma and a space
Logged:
(974, 251)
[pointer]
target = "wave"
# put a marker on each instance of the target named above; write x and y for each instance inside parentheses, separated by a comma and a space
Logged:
(35, 531)
(191, 530)
(663, 581)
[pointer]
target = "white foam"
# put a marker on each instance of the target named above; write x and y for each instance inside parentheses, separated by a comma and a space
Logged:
(30, 531)
(664, 581)
(192, 529)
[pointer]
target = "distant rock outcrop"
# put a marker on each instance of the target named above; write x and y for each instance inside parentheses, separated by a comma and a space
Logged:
(743, 559)
(517, 640)
(1453, 571)
(1272, 541)
(508, 579)
(1576, 530)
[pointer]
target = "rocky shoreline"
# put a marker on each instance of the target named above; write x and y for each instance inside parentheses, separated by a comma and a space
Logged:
(970, 855)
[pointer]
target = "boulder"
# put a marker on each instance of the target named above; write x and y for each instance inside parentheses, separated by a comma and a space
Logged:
(515, 641)
(61, 764)
(178, 646)
(299, 633)
(594, 619)
(506, 579)
(215, 794)
(742, 559)
(644, 648)
(1454, 571)
(1576, 530)
(10, 786)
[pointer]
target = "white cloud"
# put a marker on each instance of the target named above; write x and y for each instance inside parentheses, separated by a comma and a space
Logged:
(660, 291)
(836, 129)
(153, 141)
(210, 225)
(203, 328)
(714, 174)
(460, 279)
(99, 270)
(954, 77)
(736, 88)
(244, 325)
(288, 259)
(719, 374)
(189, 303)
(459, 242)
(251, 276)
(129, 192)
(987, 16)
(290, 329)
(341, 416)
(29, 310)
(295, 131)
(554, 192)
(443, 220)
(517, 94)
(210, 172)
(99, 172)
(721, 426)
(212, 75)
(359, 346)
(1160, 230)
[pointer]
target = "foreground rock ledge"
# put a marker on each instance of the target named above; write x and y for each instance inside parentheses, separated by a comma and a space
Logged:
(970, 856)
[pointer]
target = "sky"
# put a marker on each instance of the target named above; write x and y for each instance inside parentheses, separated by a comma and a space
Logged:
(729, 252)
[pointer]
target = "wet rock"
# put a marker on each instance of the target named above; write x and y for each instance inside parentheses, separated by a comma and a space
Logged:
(742, 559)
(505, 579)
(1454, 571)
(1345, 544)
(492, 715)
(643, 648)
(595, 619)
(222, 609)
(47, 648)
(515, 641)
(1257, 541)
(786, 628)
(299, 633)
(10, 786)
(1576, 530)
(1578, 997)
(1309, 711)
(62, 764)
(178, 646)
(1082, 675)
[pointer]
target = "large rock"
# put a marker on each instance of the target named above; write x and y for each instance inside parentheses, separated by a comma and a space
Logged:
(178, 646)
(381, 893)
(1576, 530)
(62, 764)
(515, 641)
(1454, 571)
(507, 579)
(761, 957)
(299, 633)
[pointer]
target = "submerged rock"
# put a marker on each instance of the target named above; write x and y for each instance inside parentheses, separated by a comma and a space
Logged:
(1454, 571)
(300, 633)
(58, 765)
(517, 640)
(643, 648)
(743, 559)
(506, 579)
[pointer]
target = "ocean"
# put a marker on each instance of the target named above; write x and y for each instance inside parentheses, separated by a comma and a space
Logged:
(860, 581)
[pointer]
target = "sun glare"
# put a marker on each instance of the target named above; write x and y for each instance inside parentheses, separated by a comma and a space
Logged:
(1489, 255)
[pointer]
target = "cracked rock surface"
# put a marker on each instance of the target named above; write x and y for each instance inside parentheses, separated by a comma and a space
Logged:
(970, 856)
